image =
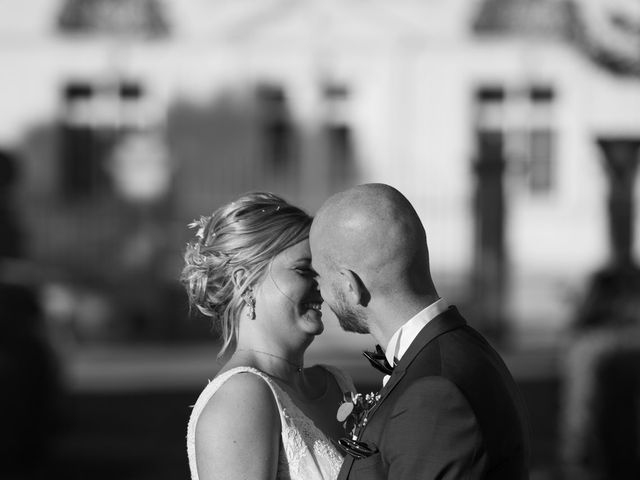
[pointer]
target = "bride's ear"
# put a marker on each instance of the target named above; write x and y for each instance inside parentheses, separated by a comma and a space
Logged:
(356, 289)
(239, 277)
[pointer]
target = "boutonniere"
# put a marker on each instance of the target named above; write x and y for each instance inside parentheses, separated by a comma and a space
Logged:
(352, 413)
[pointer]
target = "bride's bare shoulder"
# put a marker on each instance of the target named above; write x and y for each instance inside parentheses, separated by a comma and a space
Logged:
(242, 393)
(237, 433)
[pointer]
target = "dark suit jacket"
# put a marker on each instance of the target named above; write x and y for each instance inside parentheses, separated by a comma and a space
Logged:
(450, 410)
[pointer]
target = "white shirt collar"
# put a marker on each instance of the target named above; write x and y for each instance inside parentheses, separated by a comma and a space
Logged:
(406, 334)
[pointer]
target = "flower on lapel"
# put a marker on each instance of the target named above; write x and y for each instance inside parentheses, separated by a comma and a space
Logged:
(352, 412)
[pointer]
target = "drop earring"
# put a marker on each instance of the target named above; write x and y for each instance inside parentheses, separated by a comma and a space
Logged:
(251, 303)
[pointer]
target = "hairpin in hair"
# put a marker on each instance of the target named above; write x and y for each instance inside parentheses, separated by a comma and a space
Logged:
(201, 225)
(264, 210)
(197, 258)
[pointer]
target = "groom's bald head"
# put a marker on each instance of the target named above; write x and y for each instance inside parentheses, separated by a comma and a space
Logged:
(374, 231)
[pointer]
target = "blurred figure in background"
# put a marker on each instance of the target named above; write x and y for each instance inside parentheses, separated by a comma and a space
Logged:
(11, 240)
(264, 415)
(30, 390)
(600, 430)
(28, 372)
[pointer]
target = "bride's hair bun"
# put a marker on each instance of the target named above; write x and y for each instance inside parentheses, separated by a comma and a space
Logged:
(241, 236)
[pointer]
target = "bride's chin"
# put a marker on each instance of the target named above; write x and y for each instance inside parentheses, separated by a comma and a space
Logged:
(314, 321)
(320, 329)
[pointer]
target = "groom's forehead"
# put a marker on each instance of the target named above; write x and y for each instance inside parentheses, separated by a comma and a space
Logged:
(322, 262)
(316, 261)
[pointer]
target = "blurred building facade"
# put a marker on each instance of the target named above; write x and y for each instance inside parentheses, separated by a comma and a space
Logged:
(133, 117)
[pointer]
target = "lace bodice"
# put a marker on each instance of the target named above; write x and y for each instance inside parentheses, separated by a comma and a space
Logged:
(305, 453)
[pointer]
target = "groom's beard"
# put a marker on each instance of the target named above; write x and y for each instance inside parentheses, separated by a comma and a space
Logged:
(349, 319)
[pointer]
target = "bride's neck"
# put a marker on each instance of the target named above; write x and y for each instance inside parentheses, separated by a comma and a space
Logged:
(284, 365)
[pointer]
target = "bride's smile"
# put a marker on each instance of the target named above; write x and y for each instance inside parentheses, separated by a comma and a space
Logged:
(288, 299)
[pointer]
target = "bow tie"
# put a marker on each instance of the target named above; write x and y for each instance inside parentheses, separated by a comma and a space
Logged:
(378, 360)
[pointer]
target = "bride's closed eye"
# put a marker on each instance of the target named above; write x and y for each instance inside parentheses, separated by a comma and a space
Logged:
(306, 271)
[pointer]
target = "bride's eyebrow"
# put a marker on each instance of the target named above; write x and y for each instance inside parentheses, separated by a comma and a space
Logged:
(301, 262)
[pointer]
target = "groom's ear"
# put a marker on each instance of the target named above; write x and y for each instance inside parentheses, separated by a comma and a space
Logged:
(356, 289)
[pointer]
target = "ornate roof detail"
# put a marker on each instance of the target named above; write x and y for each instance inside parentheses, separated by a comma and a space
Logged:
(144, 18)
(537, 18)
(607, 31)
(610, 33)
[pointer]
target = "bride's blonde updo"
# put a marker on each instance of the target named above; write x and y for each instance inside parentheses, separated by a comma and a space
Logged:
(241, 236)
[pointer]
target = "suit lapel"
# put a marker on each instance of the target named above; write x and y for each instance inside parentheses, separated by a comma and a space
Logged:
(445, 322)
(346, 467)
(448, 320)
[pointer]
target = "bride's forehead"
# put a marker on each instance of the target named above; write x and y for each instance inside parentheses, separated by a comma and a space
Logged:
(298, 252)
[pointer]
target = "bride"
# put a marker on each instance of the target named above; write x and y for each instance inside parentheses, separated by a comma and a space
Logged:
(265, 415)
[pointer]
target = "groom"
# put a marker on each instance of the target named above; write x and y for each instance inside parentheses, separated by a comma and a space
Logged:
(450, 408)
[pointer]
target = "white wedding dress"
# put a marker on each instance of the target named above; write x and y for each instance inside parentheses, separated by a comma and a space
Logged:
(305, 451)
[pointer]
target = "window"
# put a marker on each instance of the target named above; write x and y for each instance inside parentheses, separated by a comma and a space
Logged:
(94, 117)
(277, 128)
(339, 135)
(520, 124)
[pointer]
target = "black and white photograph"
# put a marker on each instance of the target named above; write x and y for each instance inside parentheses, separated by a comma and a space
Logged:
(320, 239)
